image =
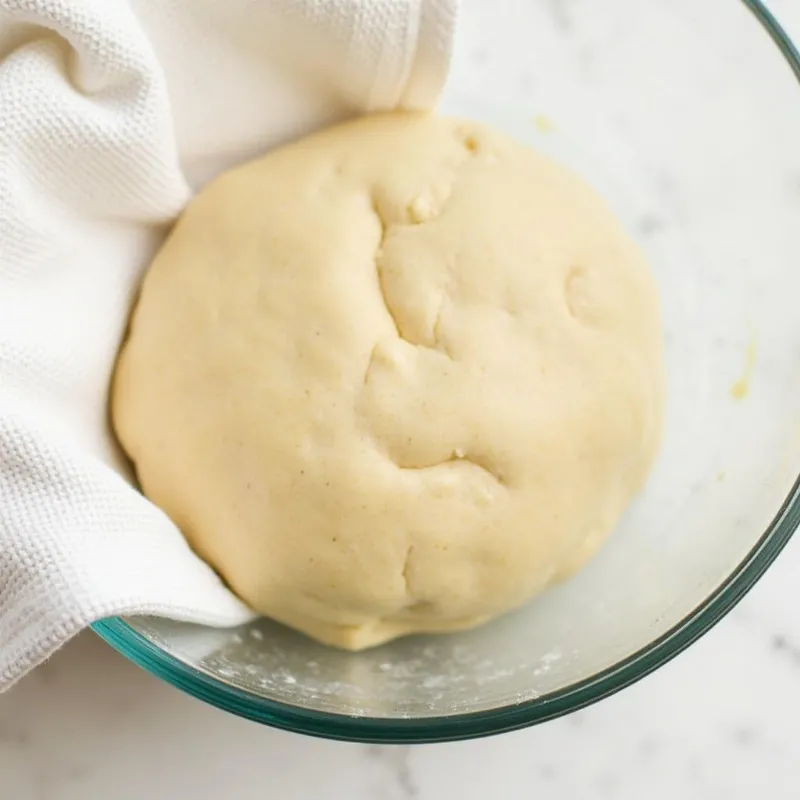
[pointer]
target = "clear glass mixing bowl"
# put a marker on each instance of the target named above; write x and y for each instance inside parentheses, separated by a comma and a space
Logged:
(686, 115)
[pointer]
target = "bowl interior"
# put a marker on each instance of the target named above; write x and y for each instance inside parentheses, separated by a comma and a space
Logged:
(686, 116)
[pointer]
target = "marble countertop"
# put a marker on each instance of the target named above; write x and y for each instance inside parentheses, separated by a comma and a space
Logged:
(720, 721)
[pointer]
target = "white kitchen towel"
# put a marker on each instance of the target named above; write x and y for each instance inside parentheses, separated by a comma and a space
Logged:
(111, 113)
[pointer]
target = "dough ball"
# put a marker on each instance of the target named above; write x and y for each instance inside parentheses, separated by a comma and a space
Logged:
(398, 376)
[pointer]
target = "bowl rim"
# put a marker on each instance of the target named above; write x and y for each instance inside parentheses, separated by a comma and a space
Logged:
(141, 651)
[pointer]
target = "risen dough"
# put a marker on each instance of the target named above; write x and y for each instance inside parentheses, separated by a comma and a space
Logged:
(398, 376)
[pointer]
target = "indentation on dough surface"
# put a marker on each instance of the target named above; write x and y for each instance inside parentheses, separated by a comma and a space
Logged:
(436, 330)
(577, 295)
(407, 568)
(383, 229)
(459, 456)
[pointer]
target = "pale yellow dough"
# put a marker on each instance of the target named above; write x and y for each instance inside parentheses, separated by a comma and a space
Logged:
(398, 376)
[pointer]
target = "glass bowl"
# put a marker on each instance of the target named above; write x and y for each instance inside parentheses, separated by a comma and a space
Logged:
(686, 116)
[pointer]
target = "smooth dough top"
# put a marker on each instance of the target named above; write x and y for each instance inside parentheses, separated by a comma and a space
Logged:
(397, 376)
